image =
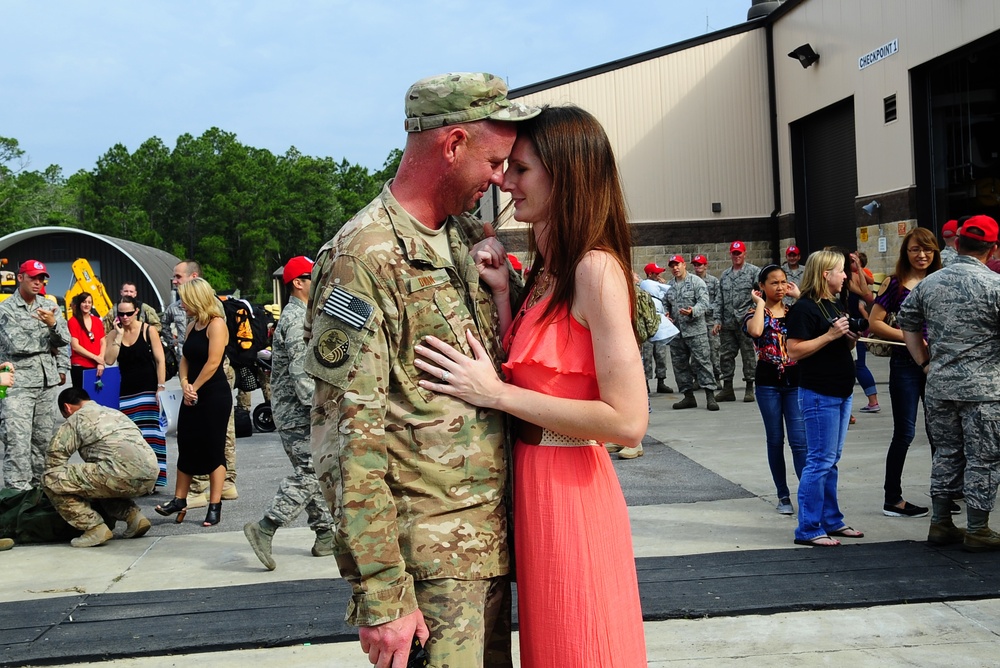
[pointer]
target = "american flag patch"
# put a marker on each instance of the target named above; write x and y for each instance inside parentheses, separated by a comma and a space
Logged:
(346, 307)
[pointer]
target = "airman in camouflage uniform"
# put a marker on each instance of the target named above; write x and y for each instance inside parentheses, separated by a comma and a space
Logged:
(416, 480)
(656, 349)
(733, 302)
(794, 275)
(960, 308)
(118, 465)
(700, 263)
(31, 328)
(292, 393)
(687, 302)
(147, 313)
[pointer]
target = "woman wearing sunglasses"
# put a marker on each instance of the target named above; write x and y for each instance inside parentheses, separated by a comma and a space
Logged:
(137, 348)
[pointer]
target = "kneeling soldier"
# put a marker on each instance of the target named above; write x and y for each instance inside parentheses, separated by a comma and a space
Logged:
(118, 465)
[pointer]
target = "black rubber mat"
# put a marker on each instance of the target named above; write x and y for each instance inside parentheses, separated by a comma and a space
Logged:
(104, 626)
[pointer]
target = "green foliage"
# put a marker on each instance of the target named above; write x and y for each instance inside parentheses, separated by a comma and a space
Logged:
(240, 211)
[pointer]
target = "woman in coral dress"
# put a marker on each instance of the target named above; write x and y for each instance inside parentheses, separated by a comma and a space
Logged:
(574, 380)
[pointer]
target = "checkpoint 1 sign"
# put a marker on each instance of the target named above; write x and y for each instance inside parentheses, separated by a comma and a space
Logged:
(878, 54)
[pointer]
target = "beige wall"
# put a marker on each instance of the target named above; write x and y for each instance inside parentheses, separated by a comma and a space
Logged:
(841, 31)
(689, 128)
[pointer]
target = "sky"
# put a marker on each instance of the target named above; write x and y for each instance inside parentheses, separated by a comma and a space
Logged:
(327, 77)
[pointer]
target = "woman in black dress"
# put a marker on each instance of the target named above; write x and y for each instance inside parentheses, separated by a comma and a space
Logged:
(204, 413)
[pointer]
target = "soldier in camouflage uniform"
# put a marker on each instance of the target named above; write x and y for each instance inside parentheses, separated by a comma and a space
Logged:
(655, 350)
(147, 313)
(33, 336)
(118, 465)
(416, 480)
(949, 235)
(733, 302)
(292, 398)
(700, 264)
(690, 352)
(793, 270)
(960, 307)
(175, 323)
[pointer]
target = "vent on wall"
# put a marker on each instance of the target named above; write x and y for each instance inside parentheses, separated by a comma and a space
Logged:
(889, 105)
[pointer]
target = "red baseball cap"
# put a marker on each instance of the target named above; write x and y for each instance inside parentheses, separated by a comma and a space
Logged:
(32, 268)
(675, 259)
(987, 225)
(793, 250)
(299, 265)
(699, 259)
(950, 229)
(653, 268)
(514, 262)
(737, 246)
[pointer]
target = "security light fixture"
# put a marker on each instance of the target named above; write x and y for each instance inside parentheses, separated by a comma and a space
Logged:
(805, 55)
(871, 208)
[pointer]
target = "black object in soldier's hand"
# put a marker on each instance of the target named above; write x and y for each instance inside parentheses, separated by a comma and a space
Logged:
(418, 655)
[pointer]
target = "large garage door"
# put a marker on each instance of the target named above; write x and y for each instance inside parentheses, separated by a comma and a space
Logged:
(825, 177)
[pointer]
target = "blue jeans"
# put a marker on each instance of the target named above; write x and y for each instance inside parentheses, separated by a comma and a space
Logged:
(775, 404)
(865, 378)
(826, 419)
(906, 390)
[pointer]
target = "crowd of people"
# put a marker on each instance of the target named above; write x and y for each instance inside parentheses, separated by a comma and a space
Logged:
(417, 375)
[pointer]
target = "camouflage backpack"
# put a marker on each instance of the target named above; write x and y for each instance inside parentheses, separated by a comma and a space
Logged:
(647, 320)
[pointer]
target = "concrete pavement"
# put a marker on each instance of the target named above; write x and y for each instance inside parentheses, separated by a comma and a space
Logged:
(736, 515)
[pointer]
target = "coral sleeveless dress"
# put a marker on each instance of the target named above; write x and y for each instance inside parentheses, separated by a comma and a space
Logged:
(578, 597)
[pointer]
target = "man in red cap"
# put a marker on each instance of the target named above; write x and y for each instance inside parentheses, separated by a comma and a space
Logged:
(656, 349)
(949, 322)
(734, 301)
(291, 398)
(793, 269)
(949, 233)
(700, 264)
(31, 328)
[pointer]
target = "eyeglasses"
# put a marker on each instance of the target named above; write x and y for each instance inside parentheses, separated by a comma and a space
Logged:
(916, 250)
(304, 277)
(736, 253)
(126, 314)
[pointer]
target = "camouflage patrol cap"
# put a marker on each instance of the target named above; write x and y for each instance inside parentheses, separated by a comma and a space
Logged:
(461, 97)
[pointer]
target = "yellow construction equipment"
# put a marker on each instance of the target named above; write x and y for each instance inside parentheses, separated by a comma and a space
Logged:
(86, 281)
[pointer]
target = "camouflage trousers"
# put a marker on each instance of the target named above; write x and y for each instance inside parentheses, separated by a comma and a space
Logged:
(654, 353)
(692, 360)
(74, 489)
(199, 483)
(713, 343)
(29, 422)
(300, 490)
(734, 341)
(965, 442)
(469, 622)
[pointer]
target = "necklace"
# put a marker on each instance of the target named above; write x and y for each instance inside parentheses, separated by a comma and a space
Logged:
(538, 291)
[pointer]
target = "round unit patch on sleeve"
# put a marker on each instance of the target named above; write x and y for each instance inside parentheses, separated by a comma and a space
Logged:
(331, 348)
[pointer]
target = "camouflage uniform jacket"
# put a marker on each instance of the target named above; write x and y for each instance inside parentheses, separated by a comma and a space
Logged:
(948, 256)
(291, 387)
(734, 298)
(961, 306)
(106, 437)
(712, 283)
(416, 480)
(174, 315)
(689, 293)
(29, 344)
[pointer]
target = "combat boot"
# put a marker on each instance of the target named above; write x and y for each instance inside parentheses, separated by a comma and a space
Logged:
(710, 398)
(323, 547)
(727, 393)
(138, 525)
(259, 534)
(945, 533)
(748, 395)
(687, 402)
(6, 544)
(979, 537)
(229, 492)
(662, 387)
(98, 535)
(197, 500)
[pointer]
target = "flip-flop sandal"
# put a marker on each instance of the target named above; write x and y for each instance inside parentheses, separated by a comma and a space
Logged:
(814, 542)
(847, 532)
